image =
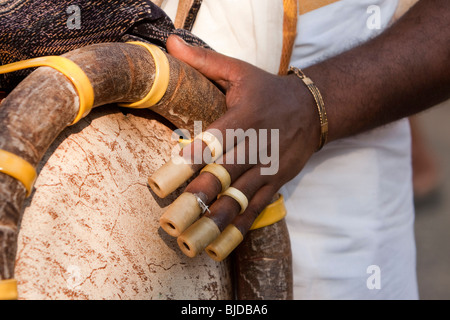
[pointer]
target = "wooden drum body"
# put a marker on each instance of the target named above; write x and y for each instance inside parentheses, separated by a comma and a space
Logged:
(91, 230)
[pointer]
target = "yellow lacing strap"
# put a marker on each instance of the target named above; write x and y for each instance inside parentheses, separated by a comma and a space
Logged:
(184, 142)
(273, 213)
(18, 168)
(8, 289)
(68, 68)
(161, 82)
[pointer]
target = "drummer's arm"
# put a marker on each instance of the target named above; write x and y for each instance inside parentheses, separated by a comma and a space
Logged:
(403, 71)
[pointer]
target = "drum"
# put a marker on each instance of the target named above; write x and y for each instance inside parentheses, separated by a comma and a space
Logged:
(90, 230)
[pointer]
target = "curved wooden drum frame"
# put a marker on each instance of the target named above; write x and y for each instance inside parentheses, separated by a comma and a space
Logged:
(90, 228)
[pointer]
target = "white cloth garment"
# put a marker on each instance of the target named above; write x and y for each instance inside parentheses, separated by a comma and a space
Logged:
(350, 211)
(250, 30)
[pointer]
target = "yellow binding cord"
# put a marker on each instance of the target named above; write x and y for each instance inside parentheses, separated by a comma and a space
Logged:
(18, 168)
(273, 213)
(8, 289)
(68, 68)
(161, 82)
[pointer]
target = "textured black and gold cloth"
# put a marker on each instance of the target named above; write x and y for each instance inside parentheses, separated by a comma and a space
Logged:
(34, 28)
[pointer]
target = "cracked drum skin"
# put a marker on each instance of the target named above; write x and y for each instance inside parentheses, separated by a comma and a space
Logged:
(90, 229)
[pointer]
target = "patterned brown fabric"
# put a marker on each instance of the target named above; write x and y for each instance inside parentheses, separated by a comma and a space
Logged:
(43, 27)
(192, 15)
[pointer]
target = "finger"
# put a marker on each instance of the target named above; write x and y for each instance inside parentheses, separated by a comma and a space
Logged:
(213, 65)
(179, 169)
(235, 162)
(206, 148)
(260, 201)
(235, 232)
(200, 192)
(205, 230)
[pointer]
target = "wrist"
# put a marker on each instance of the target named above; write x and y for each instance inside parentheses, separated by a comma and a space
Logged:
(315, 102)
(305, 113)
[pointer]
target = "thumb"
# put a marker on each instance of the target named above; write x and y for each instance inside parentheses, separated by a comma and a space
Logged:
(215, 66)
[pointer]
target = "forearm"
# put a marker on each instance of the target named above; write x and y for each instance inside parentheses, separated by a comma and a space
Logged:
(403, 71)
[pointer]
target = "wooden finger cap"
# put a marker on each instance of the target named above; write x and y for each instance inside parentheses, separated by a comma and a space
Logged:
(180, 214)
(238, 196)
(198, 236)
(220, 173)
(170, 176)
(225, 243)
(213, 143)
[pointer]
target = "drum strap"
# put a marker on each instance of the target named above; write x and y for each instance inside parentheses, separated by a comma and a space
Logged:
(18, 168)
(187, 13)
(68, 68)
(289, 33)
(8, 289)
(273, 213)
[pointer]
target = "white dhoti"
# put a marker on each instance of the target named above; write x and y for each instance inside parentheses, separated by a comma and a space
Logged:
(350, 211)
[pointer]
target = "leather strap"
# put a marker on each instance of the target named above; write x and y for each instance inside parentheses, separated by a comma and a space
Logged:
(306, 6)
(182, 12)
(289, 33)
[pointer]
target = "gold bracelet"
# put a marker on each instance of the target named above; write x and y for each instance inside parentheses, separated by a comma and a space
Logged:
(319, 101)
